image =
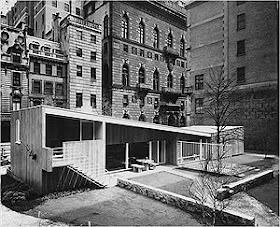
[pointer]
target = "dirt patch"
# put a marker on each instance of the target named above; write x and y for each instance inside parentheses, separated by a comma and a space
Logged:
(112, 206)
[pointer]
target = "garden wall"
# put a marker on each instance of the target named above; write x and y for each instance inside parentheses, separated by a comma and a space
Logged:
(185, 203)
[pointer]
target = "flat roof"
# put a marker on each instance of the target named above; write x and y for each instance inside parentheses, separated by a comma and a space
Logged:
(209, 128)
(119, 121)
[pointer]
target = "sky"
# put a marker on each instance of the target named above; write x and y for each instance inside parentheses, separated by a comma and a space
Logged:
(6, 5)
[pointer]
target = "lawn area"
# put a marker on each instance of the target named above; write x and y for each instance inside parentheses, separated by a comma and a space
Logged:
(267, 193)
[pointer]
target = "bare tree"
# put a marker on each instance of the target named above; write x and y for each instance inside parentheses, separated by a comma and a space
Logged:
(221, 97)
(208, 192)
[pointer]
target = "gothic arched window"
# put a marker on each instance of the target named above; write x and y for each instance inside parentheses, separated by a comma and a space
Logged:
(141, 32)
(106, 26)
(156, 80)
(125, 75)
(170, 40)
(141, 73)
(156, 38)
(169, 81)
(182, 47)
(182, 83)
(125, 26)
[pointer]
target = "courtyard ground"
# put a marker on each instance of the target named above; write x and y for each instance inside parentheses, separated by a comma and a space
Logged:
(112, 207)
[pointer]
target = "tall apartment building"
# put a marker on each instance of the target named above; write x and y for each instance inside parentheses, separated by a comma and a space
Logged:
(241, 37)
(36, 71)
(22, 13)
(144, 64)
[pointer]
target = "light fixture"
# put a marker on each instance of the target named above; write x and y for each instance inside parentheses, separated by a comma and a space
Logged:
(30, 152)
(4, 36)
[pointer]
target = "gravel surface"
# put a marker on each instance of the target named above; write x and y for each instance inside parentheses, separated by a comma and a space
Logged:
(112, 206)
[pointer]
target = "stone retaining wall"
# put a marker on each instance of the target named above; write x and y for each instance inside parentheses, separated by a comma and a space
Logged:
(185, 203)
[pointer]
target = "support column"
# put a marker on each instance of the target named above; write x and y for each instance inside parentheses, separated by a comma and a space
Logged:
(164, 151)
(200, 149)
(81, 130)
(158, 151)
(126, 155)
(150, 149)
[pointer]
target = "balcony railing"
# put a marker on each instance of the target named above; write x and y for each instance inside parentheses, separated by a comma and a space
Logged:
(171, 90)
(48, 54)
(16, 60)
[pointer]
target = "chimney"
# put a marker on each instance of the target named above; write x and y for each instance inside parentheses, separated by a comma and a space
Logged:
(56, 27)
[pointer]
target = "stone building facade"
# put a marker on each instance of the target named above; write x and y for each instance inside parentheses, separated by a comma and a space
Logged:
(145, 71)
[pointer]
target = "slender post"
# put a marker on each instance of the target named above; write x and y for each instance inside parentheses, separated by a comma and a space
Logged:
(150, 149)
(126, 155)
(158, 151)
(181, 152)
(200, 149)
(164, 151)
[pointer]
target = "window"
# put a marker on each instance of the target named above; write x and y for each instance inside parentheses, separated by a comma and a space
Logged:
(16, 57)
(93, 38)
(43, 19)
(134, 50)
(54, 3)
(66, 7)
(79, 52)
(93, 74)
(149, 100)
(59, 71)
(93, 101)
(93, 55)
(59, 89)
(149, 54)
(240, 47)
(48, 70)
(240, 74)
(141, 73)
(156, 80)
(182, 105)
(169, 81)
(182, 64)
(199, 105)
(79, 35)
(16, 103)
(37, 102)
(36, 88)
(125, 100)
(79, 99)
(156, 38)
(182, 83)
(199, 82)
(156, 103)
(79, 70)
(16, 79)
(178, 62)
(142, 53)
(78, 11)
(141, 32)
(170, 40)
(241, 24)
(48, 88)
(125, 75)
(125, 26)
(156, 57)
(125, 48)
(37, 67)
(182, 47)
(105, 24)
